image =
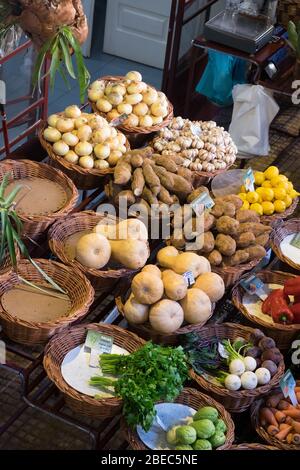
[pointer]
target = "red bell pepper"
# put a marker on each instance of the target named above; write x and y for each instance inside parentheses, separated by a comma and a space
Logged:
(276, 305)
(295, 309)
(292, 286)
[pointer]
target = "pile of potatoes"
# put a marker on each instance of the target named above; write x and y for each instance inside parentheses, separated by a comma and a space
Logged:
(85, 139)
(143, 105)
(161, 294)
(124, 243)
(232, 236)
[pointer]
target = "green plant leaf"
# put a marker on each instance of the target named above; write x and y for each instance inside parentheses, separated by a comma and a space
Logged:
(11, 245)
(37, 71)
(45, 275)
(64, 76)
(3, 242)
(67, 56)
(55, 62)
(18, 222)
(11, 197)
(293, 35)
(4, 184)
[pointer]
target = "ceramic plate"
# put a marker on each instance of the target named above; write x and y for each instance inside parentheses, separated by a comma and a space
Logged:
(169, 414)
(290, 251)
(76, 371)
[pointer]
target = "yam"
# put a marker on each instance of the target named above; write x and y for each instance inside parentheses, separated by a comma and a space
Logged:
(255, 252)
(227, 225)
(215, 258)
(126, 195)
(247, 216)
(194, 194)
(136, 161)
(245, 239)
(167, 162)
(164, 196)
(262, 239)
(122, 172)
(151, 178)
(185, 173)
(256, 228)
(149, 197)
(138, 182)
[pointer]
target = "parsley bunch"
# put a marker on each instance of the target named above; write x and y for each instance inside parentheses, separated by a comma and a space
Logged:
(148, 375)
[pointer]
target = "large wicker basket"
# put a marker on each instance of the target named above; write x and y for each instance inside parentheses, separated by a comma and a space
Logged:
(34, 226)
(232, 274)
(272, 440)
(82, 178)
(146, 331)
(102, 279)
(194, 399)
(6, 265)
(279, 234)
(288, 10)
(233, 401)
(253, 446)
(61, 344)
(71, 280)
(283, 335)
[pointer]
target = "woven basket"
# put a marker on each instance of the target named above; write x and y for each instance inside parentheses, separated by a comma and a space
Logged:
(6, 265)
(288, 10)
(102, 279)
(71, 280)
(35, 225)
(272, 440)
(131, 131)
(203, 178)
(194, 399)
(232, 274)
(277, 236)
(233, 401)
(81, 177)
(253, 446)
(61, 344)
(273, 219)
(146, 331)
(283, 335)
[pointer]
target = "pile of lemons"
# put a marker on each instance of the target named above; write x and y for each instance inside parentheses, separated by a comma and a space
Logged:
(273, 192)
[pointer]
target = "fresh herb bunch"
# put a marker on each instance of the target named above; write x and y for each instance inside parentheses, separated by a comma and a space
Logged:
(148, 375)
(201, 358)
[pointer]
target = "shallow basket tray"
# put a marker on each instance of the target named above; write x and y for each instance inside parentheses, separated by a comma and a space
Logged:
(6, 265)
(253, 446)
(279, 234)
(273, 219)
(56, 351)
(146, 331)
(102, 279)
(203, 178)
(134, 130)
(194, 399)
(272, 440)
(232, 274)
(77, 286)
(35, 225)
(233, 401)
(83, 178)
(283, 335)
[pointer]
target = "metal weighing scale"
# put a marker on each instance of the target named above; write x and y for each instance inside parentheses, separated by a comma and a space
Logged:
(239, 30)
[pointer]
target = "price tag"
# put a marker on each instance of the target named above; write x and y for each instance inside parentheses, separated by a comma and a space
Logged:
(295, 241)
(189, 278)
(248, 180)
(205, 200)
(98, 344)
(254, 286)
(287, 385)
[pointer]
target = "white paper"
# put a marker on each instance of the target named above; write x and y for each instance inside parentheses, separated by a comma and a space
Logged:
(290, 251)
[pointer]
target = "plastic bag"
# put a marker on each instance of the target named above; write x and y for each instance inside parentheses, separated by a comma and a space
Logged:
(254, 110)
(10, 41)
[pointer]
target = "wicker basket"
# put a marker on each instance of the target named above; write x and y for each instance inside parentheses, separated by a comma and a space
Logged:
(282, 231)
(81, 177)
(273, 219)
(102, 279)
(283, 335)
(6, 265)
(272, 440)
(71, 280)
(194, 399)
(35, 225)
(233, 401)
(288, 10)
(232, 274)
(61, 344)
(130, 132)
(253, 446)
(146, 331)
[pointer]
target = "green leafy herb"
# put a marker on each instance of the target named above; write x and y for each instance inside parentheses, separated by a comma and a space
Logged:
(150, 374)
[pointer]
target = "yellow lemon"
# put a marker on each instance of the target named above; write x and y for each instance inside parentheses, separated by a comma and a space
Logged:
(268, 194)
(290, 186)
(293, 193)
(288, 200)
(259, 199)
(259, 177)
(271, 172)
(242, 196)
(259, 190)
(257, 208)
(266, 184)
(245, 205)
(252, 197)
(243, 189)
(279, 193)
(278, 179)
(268, 207)
(284, 185)
(279, 206)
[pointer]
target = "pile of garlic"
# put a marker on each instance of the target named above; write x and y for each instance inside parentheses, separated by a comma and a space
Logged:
(203, 145)
(144, 105)
(85, 139)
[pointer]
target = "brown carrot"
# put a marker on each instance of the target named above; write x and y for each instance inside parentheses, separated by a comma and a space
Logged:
(289, 420)
(296, 439)
(280, 417)
(284, 426)
(273, 400)
(272, 430)
(281, 435)
(267, 415)
(284, 405)
(292, 412)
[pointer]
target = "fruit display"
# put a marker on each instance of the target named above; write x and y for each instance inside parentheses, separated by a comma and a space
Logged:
(161, 295)
(129, 97)
(273, 193)
(201, 145)
(124, 244)
(85, 139)
(141, 176)
(235, 365)
(205, 430)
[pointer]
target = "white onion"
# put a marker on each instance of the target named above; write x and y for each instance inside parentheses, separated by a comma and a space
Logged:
(70, 139)
(86, 162)
(84, 133)
(81, 121)
(133, 75)
(102, 151)
(249, 380)
(65, 125)
(52, 120)
(101, 164)
(232, 382)
(146, 121)
(103, 105)
(71, 157)
(72, 112)
(51, 134)
(83, 149)
(134, 99)
(61, 148)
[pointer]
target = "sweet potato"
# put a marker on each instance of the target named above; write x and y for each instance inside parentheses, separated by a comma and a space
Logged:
(122, 173)
(167, 162)
(194, 194)
(225, 244)
(148, 195)
(239, 257)
(256, 228)
(136, 161)
(126, 195)
(245, 239)
(185, 173)
(151, 178)
(247, 216)
(229, 209)
(262, 240)
(227, 225)
(255, 252)
(208, 242)
(138, 182)
(215, 258)
(164, 196)
(231, 198)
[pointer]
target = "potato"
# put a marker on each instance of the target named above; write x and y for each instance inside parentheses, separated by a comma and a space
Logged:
(262, 239)
(240, 257)
(247, 216)
(229, 209)
(225, 244)
(218, 210)
(245, 239)
(215, 258)
(212, 284)
(196, 192)
(227, 225)
(147, 288)
(208, 242)
(196, 306)
(234, 199)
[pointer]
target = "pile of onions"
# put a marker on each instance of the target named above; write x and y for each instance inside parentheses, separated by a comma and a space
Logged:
(144, 105)
(85, 139)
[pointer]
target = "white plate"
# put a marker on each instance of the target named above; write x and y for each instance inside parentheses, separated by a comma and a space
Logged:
(77, 373)
(253, 304)
(290, 251)
(170, 414)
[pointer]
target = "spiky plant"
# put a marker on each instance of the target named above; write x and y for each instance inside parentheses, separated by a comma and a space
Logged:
(294, 37)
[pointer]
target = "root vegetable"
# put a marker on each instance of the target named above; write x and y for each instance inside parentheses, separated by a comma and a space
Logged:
(262, 240)
(166, 316)
(229, 209)
(164, 196)
(104, 105)
(132, 254)
(271, 366)
(249, 380)
(72, 112)
(133, 100)
(239, 257)
(250, 363)
(232, 382)
(174, 284)
(152, 269)
(138, 182)
(81, 121)
(101, 164)
(70, 139)
(136, 161)
(93, 250)
(140, 109)
(273, 354)
(124, 108)
(209, 221)
(254, 351)
(266, 415)
(146, 288)
(281, 435)
(284, 405)
(227, 225)
(292, 412)
(274, 400)
(196, 306)
(135, 312)
(212, 284)
(61, 148)
(114, 157)
(145, 121)
(256, 252)
(51, 135)
(86, 162)
(151, 178)
(267, 343)
(215, 258)
(280, 417)
(166, 162)
(245, 239)
(83, 148)
(134, 76)
(132, 121)
(65, 125)
(296, 439)
(52, 120)
(102, 151)
(237, 367)
(247, 216)
(71, 157)
(84, 133)
(255, 228)
(181, 185)
(122, 173)
(225, 244)
(208, 242)
(263, 376)
(126, 196)
(272, 430)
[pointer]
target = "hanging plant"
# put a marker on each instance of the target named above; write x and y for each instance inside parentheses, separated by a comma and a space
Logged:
(11, 234)
(57, 28)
